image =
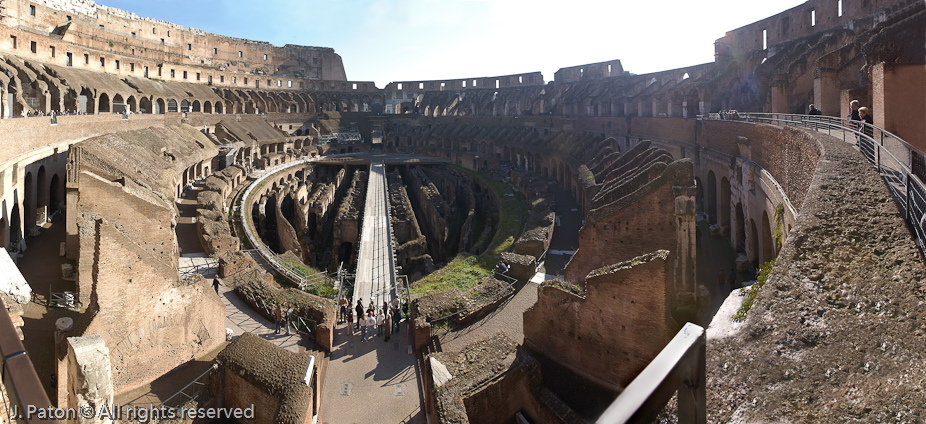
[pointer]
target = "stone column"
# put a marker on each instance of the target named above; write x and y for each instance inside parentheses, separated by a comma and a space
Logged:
(62, 326)
(684, 268)
(826, 91)
(90, 377)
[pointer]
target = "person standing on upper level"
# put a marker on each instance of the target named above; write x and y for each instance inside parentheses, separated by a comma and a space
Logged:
(811, 110)
(853, 115)
(865, 126)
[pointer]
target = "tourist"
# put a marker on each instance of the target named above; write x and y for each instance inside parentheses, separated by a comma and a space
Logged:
(371, 324)
(278, 317)
(813, 111)
(380, 322)
(215, 284)
(362, 323)
(853, 115)
(865, 122)
(387, 326)
(289, 319)
(359, 309)
(342, 309)
(350, 322)
(396, 318)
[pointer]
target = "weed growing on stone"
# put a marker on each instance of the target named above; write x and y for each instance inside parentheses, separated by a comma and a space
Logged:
(753, 291)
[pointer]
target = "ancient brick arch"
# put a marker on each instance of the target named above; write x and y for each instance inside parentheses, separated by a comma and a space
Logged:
(195, 106)
(159, 106)
(103, 103)
(207, 107)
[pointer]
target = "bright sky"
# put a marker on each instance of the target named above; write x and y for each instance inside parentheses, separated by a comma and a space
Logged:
(396, 40)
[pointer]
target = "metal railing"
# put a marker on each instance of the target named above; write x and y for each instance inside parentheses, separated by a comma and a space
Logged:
(900, 165)
(288, 271)
(680, 367)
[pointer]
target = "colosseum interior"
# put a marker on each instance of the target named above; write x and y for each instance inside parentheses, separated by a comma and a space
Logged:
(196, 222)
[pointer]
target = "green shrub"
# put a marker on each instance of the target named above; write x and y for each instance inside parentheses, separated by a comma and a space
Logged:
(753, 291)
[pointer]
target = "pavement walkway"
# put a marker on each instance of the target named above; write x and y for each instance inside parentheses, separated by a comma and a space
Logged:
(373, 381)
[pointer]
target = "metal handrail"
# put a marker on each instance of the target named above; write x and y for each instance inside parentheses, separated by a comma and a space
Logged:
(680, 367)
(289, 272)
(881, 148)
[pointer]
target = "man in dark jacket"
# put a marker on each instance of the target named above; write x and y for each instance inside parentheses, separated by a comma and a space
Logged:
(813, 111)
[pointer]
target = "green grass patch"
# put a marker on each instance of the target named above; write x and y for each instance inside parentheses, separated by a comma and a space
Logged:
(753, 291)
(464, 271)
(296, 264)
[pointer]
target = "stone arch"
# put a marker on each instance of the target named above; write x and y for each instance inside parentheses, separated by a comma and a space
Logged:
(207, 107)
(55, 194)
(144, 105)
(218, 107)
(103, 106)
(131, 105)
(16, 227)
(86, 102)
(184, 106)
(41, 195)
(159, 107)
(172, 106)
(196, 107)
(118, 105)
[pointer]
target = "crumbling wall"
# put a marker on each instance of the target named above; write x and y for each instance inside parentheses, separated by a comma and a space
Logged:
(612, 327)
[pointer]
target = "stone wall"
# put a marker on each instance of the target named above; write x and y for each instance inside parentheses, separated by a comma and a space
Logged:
(610, 329)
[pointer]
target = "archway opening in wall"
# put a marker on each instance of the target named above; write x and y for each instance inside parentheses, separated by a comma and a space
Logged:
(196, 106)
(104, 103)
(768, 243)
(144, 105)
(118, 104)
(131, 104)
(754, 232)
(41, 197)
(712, 197)
(28, 203)
(15, 225)
(171, 106)
(159, 107)
(207, 107)
(86, 101)
(184, 106)
(740, 236)
(54, 195)
(724, 202)
(3, 237)
(219, 108)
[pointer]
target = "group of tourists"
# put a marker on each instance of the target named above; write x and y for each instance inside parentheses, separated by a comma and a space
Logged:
(372, 321)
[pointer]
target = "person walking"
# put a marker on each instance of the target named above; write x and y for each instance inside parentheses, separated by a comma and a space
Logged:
(362, 323)
(865, 122)
(853, 114)
(215, 284)
(350, 322)
(387, 326)
(278, 317)
(371, 324)
(396, 318)
(289, 318)
(811, 110)
(380, 321)
(359, 309)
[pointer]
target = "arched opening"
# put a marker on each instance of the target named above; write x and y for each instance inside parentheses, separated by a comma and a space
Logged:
(15, 225)
(131, 104)
(144, 105)
(28, 203)
(711, 197)
(54, 194)
(725, 202)
(754, 234)
(184, 106)
(207, 107)
(768, 243)
(196, 107)
(739, 239)
(219, 108)
(172, 106)
(86, 101)
(4, 241)
(41, 197)
(104, 103)
(118, 104)
(159, 107)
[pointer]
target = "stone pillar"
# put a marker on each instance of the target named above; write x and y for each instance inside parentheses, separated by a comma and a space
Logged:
(7, 99)
(90, 376)
(62, 326)
(780, 95)
(826, 92)
(897, 100)
(704, 107)
(684, 267)
(72, 196)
